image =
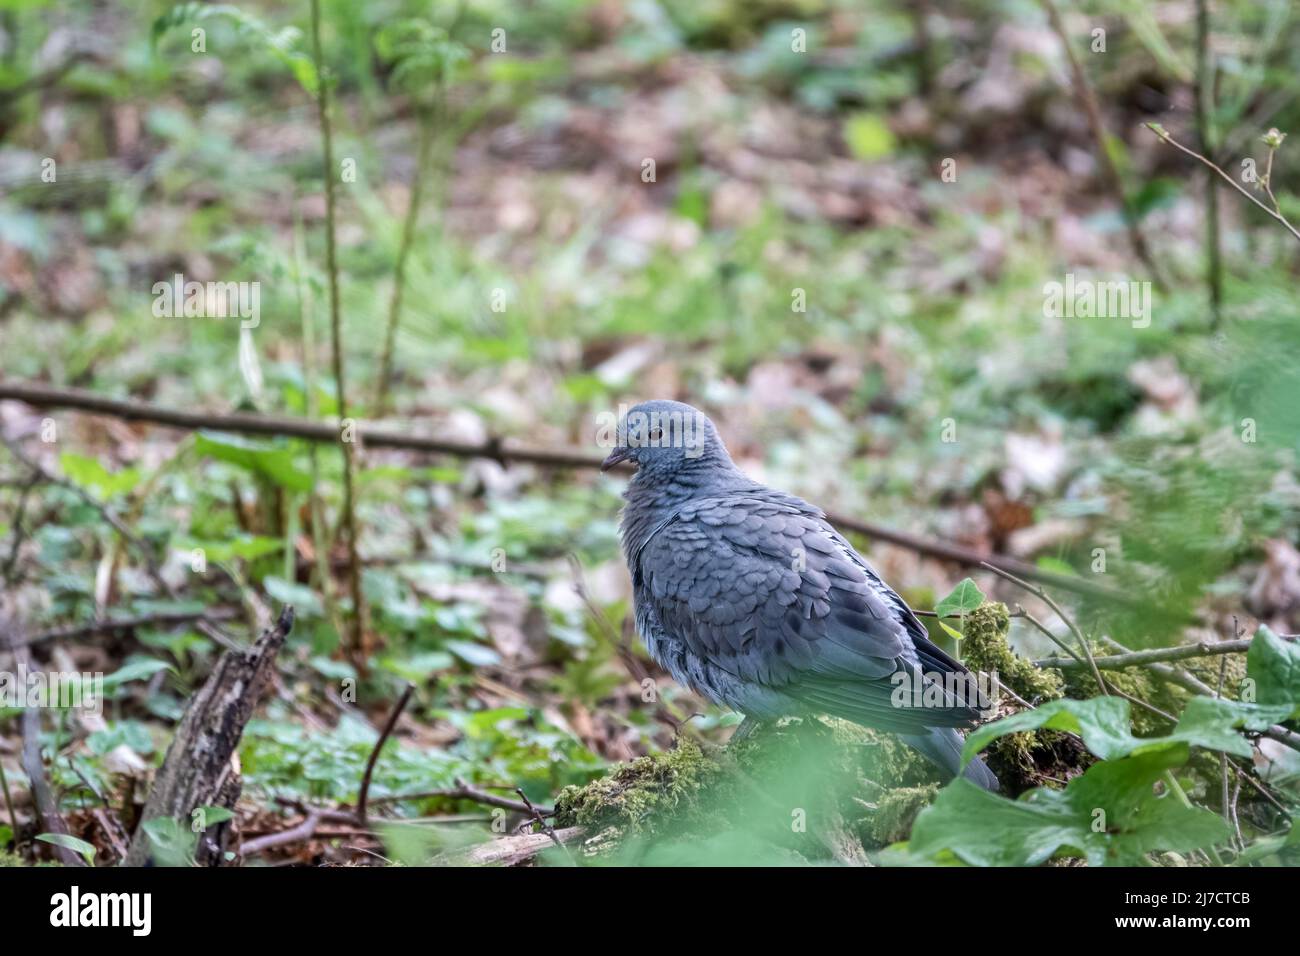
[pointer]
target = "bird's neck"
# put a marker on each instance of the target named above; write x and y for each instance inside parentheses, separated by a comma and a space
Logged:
(651, 500)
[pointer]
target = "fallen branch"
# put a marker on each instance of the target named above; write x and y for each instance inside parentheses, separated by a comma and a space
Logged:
(504, 452)
(112, 625)
(302, 831)
(465, 791)
(197, 770)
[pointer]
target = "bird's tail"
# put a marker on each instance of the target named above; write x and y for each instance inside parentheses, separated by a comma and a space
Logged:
(942, 747)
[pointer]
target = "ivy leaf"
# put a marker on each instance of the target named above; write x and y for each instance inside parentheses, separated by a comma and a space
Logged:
(1111, 815)
(1104, 724)
(965, 597)
(1274, 665)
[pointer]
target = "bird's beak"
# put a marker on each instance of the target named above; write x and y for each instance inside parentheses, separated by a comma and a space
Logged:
(616, 457)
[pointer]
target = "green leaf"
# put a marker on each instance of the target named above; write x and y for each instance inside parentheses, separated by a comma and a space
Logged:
(1274, 665)
(141, 668)
(952, 632)
(211, 816)
(69, 842)
(1111, 815)
(1213, 723)
(171, 840)
(417, 667)
(868, 136)
(476, 655)
(88, 473)
(1104, 724)
(273, 462)
(965, 597)
(304, 600)
(247, 547)
(282, 44)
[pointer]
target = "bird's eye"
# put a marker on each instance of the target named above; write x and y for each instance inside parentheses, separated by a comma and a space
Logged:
(656, 434)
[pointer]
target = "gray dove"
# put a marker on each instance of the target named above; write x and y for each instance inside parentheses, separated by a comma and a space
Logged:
(748, 595)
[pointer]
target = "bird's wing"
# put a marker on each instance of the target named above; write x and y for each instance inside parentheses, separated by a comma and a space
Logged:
(769, 593)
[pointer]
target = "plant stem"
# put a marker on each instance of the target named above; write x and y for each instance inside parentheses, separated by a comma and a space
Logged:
(1204, 113)
(319, 527)
(409, 223)
(356, 640)
(1088, 99)
(1164, 135)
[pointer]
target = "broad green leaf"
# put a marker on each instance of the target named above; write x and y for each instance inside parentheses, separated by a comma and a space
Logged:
(172, 841)
(476, 655)
(69, 842)
(139, 669)
(304, 599)
(1213, 723)
(1104, 724)
(247, 547)
(1111, 815)
(1274, 665)
(273, 462)
(417, 667)
(211, 816)
(965, 597)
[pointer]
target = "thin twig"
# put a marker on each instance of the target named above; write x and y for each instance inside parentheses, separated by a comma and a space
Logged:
(409, 222)
(111, 625)
(302, 831)
(1155, 655)
(1273, 213)
(541, 822)
(379, 745)
(465, 791)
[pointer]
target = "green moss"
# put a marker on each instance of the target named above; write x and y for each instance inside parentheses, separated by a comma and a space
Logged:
(985, 649)
(891, 817)
(643, 794)
(13, 859)
(1140, 684)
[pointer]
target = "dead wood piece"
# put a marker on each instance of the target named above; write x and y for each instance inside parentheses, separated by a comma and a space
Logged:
(197, 770)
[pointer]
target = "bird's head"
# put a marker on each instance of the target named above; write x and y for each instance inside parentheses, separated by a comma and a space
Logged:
(663, 438)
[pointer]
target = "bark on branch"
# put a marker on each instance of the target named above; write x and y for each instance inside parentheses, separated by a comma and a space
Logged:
(197, 770)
